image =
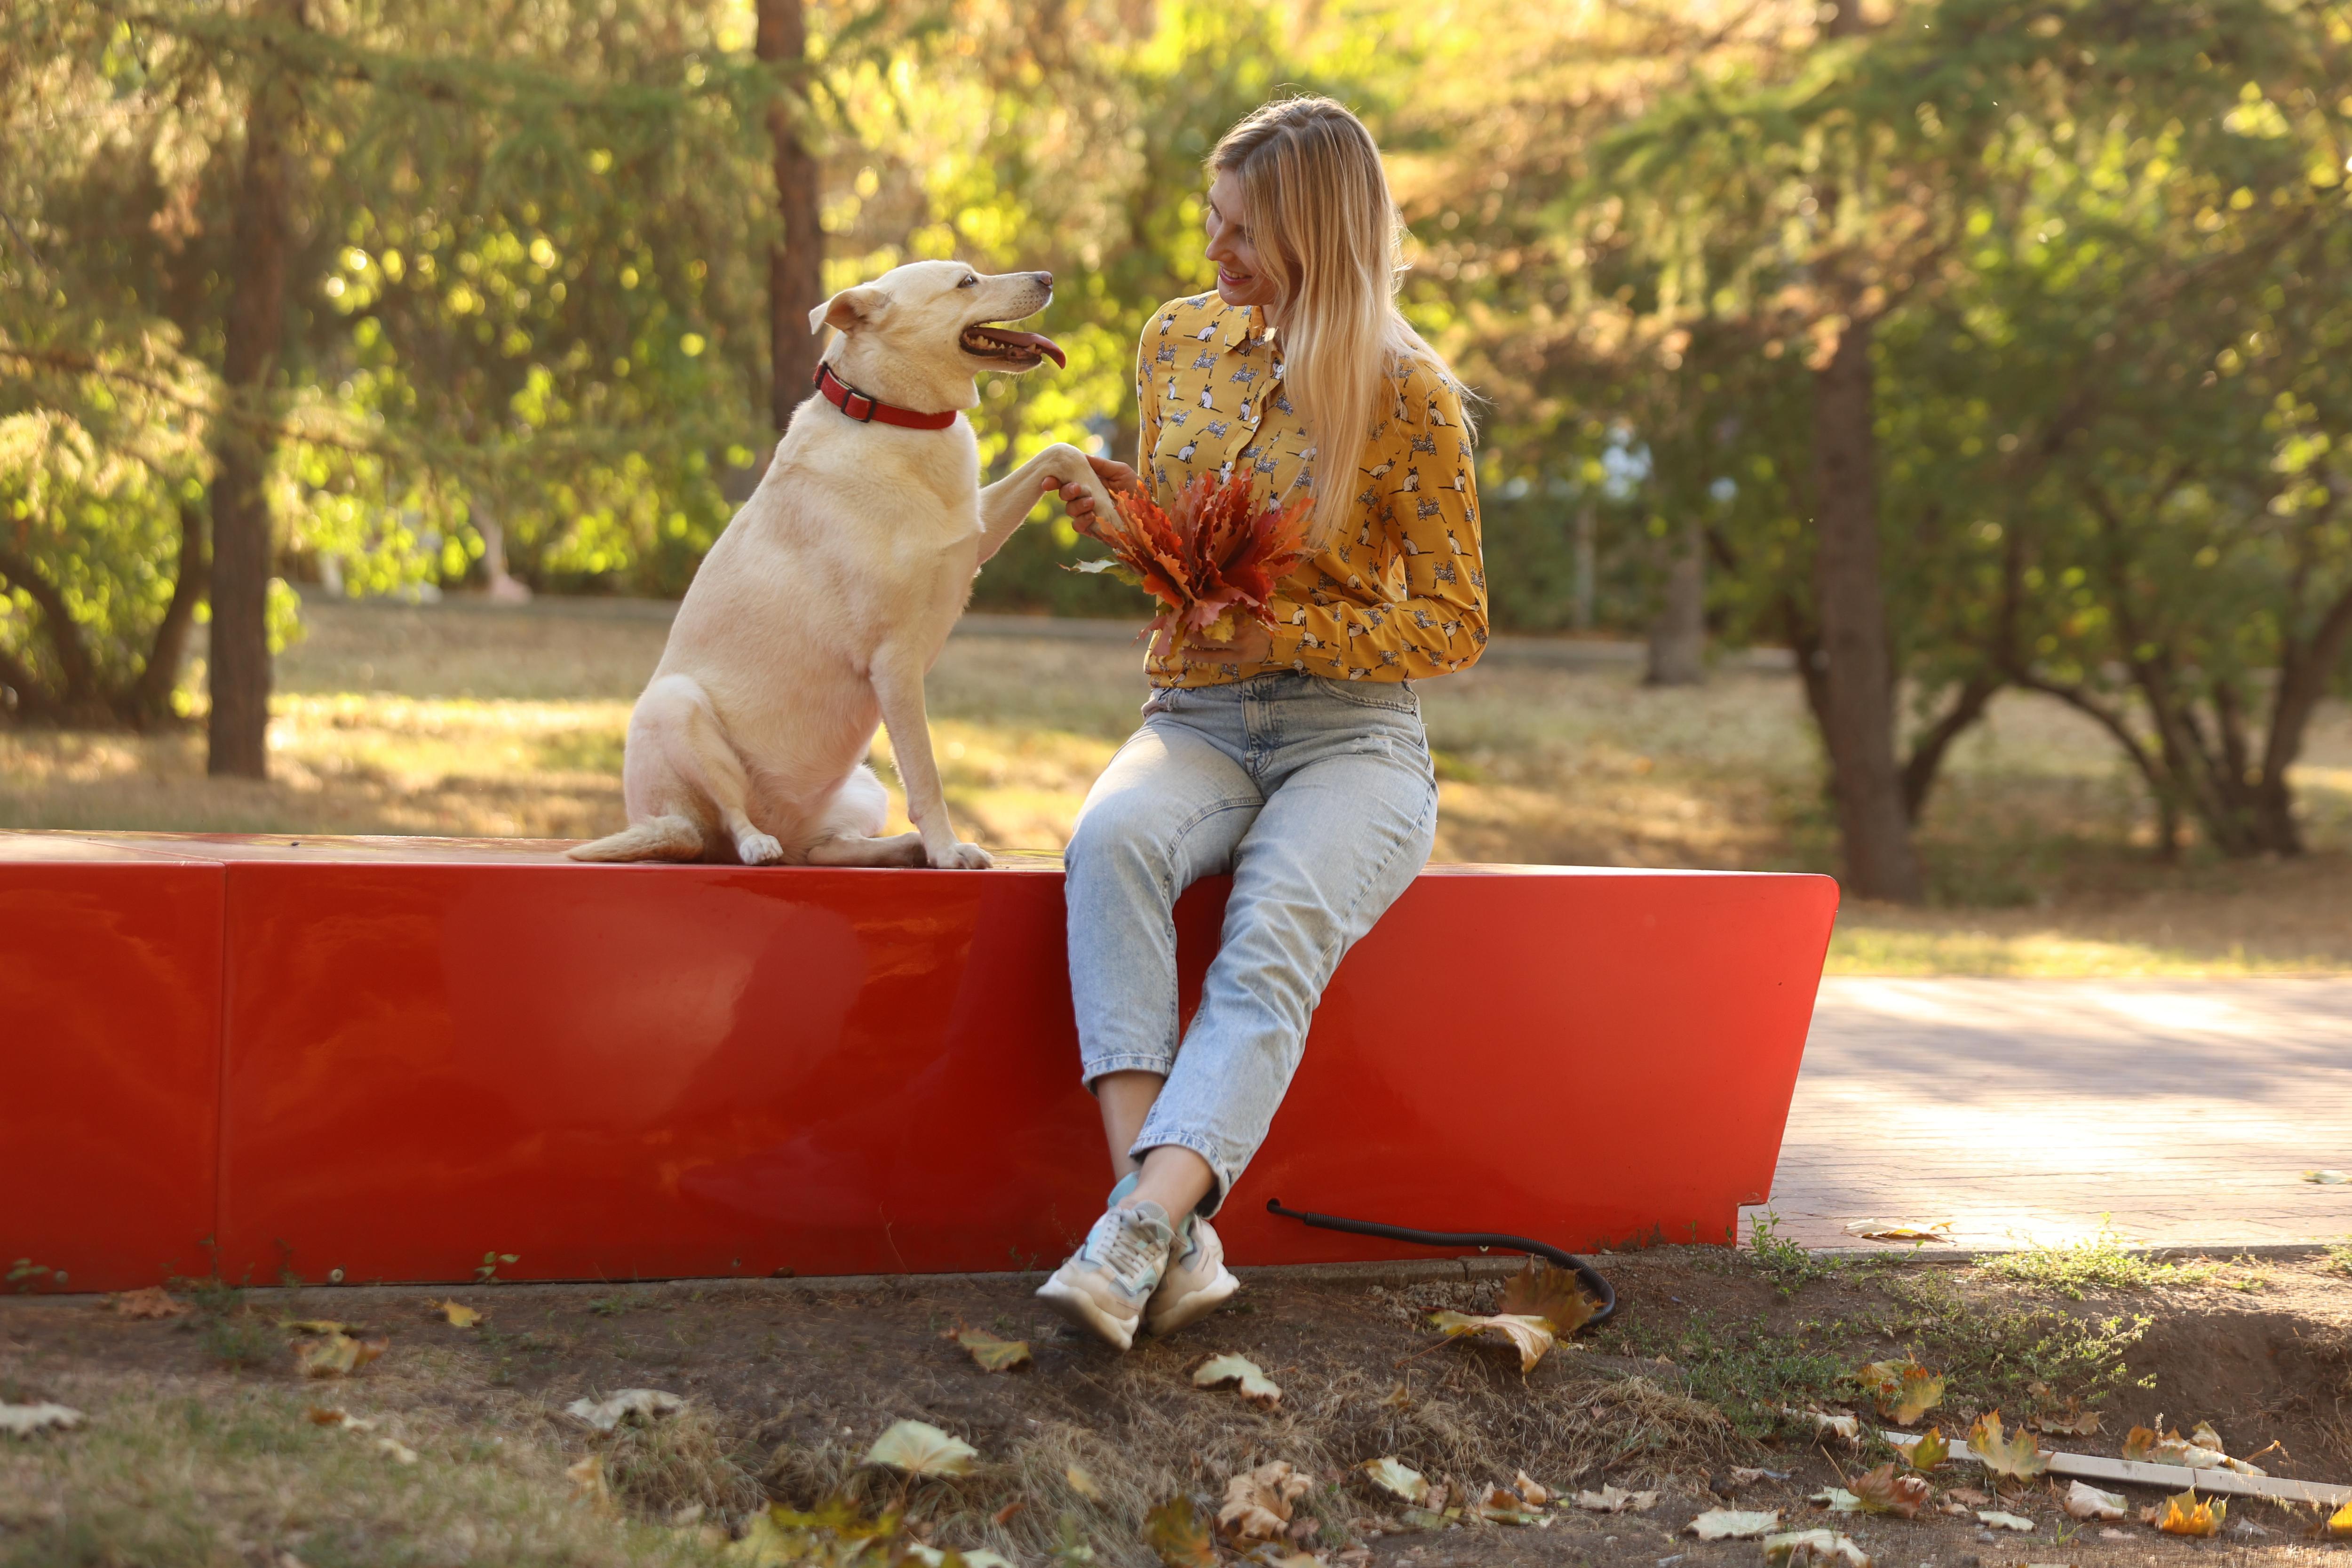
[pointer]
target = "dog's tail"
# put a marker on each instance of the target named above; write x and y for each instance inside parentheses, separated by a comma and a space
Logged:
(670, 838)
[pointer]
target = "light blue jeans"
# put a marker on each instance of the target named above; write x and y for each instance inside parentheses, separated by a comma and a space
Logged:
(1319, 798)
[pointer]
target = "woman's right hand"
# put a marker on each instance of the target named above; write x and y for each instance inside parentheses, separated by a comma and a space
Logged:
(1080, 506)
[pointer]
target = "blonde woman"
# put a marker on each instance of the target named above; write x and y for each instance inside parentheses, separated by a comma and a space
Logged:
(1293, 758)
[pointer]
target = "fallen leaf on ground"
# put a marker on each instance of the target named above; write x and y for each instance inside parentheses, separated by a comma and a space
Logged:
(1501, 1505)
(1733, 1524)
(1258, 1502)
(328, 1416)
(1924, 1452)
(1993, 1519)
(1803, 1548)
(2086, 1502)
(313, 1326)
(1837, 1499)
(919, 1449)
(458, 1314)
(993, 1355)
(1748, 1475)
(1882, 1491)
(778, 1537)
(2339, 1523)
(1616, 1500)
(1555, 1295)
(337, 1354)
(1082, 1482)
(2172, 1448)
(974, 1557)
(1528, 1335)
(2327, 1178)
(1900, 1230)
(588, 1485)
(2189, 1514)
(1838, 1425)
(1393, 1476)
(2072, 1422)
(401, 1453)
(1532, 1489)
(1969, 1495)
(1903, 1390)
(2015, 1456)
(1255, 1386)
(154, 1302)
(1958, 1510)
(644, 1403)
(24, 1420)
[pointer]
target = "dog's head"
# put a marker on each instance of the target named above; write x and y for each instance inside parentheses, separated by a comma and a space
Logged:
(920, 333)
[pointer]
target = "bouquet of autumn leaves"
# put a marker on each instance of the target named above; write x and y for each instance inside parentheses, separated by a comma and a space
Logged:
(1217, 557)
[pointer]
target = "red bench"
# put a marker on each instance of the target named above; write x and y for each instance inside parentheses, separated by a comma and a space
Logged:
(392, 1057)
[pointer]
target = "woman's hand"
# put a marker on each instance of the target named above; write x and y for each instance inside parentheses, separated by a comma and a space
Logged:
(1080, 506)
(1252, 643)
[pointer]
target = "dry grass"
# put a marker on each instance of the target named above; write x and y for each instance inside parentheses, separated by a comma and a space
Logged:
(196, 1471)
(463, 720)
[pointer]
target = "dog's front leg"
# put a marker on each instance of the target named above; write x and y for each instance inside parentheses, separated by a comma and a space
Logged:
(897, 677)
(1004, 504)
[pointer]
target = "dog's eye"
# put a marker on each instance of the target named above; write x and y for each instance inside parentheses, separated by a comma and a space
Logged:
(969, 282)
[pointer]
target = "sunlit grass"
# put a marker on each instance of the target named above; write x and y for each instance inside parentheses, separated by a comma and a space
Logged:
(466, 723)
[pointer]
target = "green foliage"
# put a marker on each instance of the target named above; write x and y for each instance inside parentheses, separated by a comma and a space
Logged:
(2100, 245)
(1996, 1351)
(1789, 1264)
(2100, 1262)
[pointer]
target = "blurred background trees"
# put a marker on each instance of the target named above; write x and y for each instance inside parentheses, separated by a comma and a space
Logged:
(1956, 346)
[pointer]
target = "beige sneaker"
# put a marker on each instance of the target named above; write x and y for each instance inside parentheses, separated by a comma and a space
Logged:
(1105, 1283)
(1195, 1281)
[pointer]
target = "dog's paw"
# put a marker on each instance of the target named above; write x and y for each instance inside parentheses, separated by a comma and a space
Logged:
(758, 849)
(963, 857)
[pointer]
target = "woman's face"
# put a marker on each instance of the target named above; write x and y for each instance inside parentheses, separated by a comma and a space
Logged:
(1239, 280)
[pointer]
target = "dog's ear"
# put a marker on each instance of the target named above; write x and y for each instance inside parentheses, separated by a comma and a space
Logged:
(848, 307)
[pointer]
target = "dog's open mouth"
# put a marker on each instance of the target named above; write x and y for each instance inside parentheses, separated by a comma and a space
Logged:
(1024, 349)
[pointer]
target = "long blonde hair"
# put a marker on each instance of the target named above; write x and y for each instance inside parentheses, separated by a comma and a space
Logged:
(1326, 231)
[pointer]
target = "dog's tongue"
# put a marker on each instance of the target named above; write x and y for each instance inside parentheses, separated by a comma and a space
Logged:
(1037, 340)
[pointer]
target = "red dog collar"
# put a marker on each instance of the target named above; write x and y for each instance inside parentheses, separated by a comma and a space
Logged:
(866, 410)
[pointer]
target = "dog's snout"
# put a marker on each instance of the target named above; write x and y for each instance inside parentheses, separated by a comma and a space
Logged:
(1045, 279)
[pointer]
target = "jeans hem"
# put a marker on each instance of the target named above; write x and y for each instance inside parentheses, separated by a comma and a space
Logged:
(1090, 1070)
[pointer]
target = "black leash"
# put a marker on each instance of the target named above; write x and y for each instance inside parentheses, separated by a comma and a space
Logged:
(1596, 1285)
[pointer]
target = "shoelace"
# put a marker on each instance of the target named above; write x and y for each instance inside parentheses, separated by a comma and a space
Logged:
(1114, 1244)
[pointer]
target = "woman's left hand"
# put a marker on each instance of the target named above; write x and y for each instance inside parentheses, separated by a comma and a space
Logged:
(1252, 643)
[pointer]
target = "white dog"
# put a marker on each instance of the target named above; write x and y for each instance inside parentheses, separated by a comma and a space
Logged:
(822, 604)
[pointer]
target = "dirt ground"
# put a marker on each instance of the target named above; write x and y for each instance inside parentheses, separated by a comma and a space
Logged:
(200, 1448)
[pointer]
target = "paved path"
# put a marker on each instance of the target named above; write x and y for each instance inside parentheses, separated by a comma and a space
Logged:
(2023, 1110)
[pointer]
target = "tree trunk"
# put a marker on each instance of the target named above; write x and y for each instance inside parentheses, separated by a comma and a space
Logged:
(796, 263)
(240, 507)
(1579, 614)
(2303, 674)
(1678, 636)
(148, 703)
(1851, 600)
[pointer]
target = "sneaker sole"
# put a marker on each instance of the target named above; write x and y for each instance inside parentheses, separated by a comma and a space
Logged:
(1075, 1306)
(1195, 1305)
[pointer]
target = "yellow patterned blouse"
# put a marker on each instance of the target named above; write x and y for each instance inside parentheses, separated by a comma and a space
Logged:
(1400, 593)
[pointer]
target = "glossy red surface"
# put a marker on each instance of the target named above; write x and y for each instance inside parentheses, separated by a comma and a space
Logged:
(441, 1049)
(109, 1062)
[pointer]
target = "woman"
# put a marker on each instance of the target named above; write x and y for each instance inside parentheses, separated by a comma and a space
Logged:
(1293, 759)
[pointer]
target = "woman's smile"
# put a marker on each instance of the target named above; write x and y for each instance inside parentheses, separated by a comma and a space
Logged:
(1231, 247)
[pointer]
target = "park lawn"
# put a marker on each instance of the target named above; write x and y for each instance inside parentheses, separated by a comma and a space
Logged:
(465, 720)
(201, 1448)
